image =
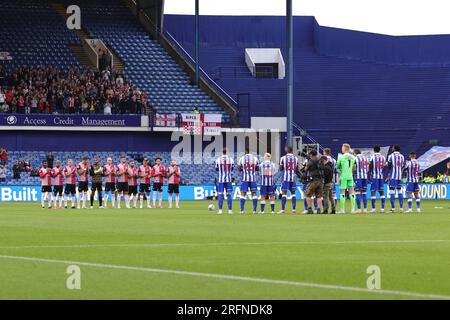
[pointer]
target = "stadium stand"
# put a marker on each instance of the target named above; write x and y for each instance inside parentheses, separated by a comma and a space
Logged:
(148, 65)
(395, 91)
(47, 43)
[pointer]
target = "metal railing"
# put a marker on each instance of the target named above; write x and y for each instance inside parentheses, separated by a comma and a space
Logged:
(205, 76)
(306, 135)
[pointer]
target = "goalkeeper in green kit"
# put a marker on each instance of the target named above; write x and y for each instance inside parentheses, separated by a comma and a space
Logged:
(345, 164)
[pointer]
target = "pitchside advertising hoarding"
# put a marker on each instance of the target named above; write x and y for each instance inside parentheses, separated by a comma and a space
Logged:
(50, 120)
(187, 193)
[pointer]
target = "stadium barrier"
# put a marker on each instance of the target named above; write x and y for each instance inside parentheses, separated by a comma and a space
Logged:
(203, 192)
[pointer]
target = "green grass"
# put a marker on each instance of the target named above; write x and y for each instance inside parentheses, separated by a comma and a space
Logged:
(319, 249)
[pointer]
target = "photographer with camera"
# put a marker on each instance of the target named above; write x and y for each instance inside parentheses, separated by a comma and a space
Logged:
(314, 168)
(328, 189)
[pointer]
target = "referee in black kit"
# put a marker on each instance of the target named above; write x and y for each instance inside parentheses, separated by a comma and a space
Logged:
(96, 172)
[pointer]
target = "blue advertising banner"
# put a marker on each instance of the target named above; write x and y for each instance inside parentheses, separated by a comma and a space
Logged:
(33, 193)
(69, 120)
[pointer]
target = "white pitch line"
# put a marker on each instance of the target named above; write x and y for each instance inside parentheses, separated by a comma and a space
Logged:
(219, 244)
(229, 277)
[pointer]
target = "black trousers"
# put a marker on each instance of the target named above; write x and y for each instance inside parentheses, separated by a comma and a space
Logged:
(97, 187)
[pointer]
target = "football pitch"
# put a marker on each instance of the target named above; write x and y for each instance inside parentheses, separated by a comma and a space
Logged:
(191, 253)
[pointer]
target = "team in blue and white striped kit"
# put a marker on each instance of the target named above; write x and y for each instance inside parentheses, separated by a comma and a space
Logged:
(413, 188)
(396, 165)
(362, 178)
(224, 167)
(367, 171)
(248, 165)
(377, 164)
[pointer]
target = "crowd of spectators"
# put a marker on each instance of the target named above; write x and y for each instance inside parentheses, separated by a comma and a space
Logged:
(48, 90)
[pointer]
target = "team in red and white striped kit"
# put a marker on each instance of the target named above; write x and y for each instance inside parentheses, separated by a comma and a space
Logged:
(124, 180)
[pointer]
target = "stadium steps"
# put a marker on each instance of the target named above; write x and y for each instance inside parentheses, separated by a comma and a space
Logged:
(82, 34)
(79, 52)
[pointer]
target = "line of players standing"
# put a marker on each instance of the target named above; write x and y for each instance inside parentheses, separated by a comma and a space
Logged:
(361, 172)
(121, 181)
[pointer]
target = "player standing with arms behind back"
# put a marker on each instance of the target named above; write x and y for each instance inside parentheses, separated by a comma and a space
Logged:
(377, 164)
(248, 165)
(267, 171)
(396, 163)
(46, 182)
(132, 183)
(224, 167)
(289, 166)
(345, 164)
(413, 170)
(174, 175)
(362, 171)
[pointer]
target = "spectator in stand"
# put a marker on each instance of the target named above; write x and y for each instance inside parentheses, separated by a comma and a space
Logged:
(196, 110)
(50, 159)
(2, 97)
(2, 173)
(16, 170)
(107, 109)
(26, 167)
(5, 108)
(64, 92)
(3, 156)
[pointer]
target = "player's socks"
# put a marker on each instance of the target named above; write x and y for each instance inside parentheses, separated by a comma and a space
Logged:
(263, 205)
(170, 201)
(315, 204)
(154, 199)
(49, 200)
(353, 201)
(60, 201)
(229, 202)
(294, 202)
(135, 199)
(242, 203)
(358, 200)
(119, 199)
(401, 199)
(148, 201)
(141, 201)
(113, 199)
(43, 196)
(177, 200)
(418, 203)
(255, 203)
(79, 200)
(410, 201)
(392, 198)
(55, 199)
(283, 202)
(160, 197)
(92, 199)
(364, 199)
(383, 202)
(373, 202)
(127, 200)
(220, 200)
(272, 206)
(84, 199)
(305, 203)
(343, 202)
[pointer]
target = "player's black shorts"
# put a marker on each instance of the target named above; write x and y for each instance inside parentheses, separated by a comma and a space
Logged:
(158, 187)
(97, 187)
(174, 188)
(83, 186)
(110, 186)
(58, 190)
(133, 190)
(70, 188)
(144, 188)
(47, 189)
(122, 186)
